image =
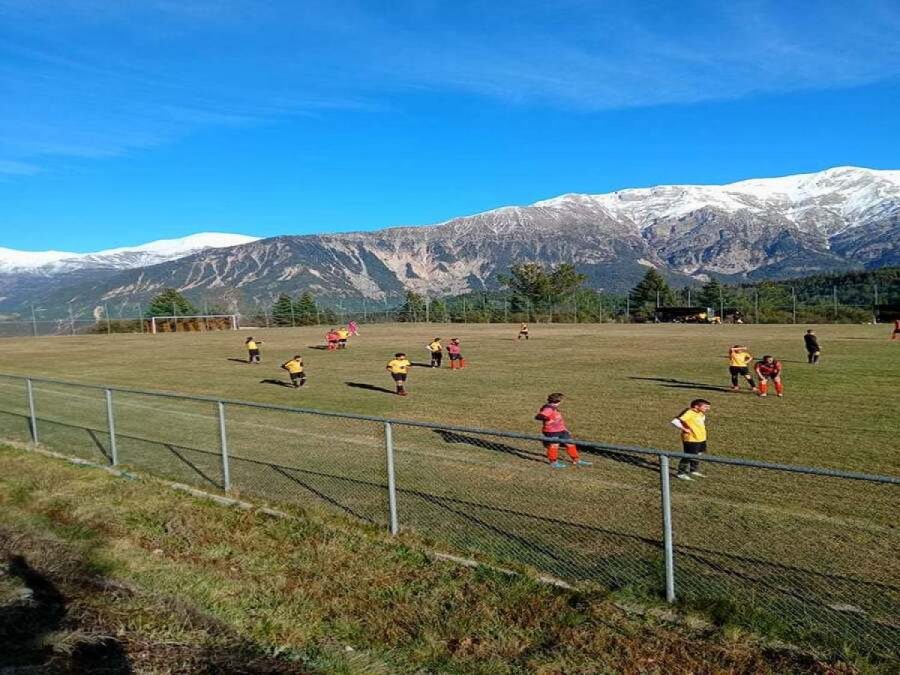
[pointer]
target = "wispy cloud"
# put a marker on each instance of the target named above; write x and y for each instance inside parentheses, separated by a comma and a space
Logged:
(100, 78)
(11, 168)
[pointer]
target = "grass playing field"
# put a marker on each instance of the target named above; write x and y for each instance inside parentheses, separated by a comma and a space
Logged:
(818, 554)
(623, 383)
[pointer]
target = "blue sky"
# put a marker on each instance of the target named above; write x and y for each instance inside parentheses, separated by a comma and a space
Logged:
(122, 123)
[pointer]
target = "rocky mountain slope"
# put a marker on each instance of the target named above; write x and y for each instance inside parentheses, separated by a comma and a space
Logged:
(837, 219)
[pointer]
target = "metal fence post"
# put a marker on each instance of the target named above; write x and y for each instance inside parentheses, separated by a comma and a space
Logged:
(392, 483)
(223, 445)
(111, 424)
(666, 495)
(31, 413)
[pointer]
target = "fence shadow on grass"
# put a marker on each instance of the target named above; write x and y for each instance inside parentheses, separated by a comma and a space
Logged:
(197, 470)
(97, 442)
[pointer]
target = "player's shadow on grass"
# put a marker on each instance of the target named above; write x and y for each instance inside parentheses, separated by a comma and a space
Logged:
(532, 456)
(420, 365)
(453, 437)
(369, 387)
(681, 384)
(321, 348)
(239, 360)
(280, 383)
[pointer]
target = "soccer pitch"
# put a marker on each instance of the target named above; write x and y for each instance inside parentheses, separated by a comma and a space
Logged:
(816, 553)
(623, 383)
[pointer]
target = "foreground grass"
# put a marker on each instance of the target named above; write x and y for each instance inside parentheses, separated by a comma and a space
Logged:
(174, 580)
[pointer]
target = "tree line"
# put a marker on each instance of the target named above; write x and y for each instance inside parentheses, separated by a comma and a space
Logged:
(534, 292)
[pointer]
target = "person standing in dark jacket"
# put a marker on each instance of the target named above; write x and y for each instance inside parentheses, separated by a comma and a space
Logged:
(812, 347)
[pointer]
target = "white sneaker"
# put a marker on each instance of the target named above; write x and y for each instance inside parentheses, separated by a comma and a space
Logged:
(698, 474)
(683, 476)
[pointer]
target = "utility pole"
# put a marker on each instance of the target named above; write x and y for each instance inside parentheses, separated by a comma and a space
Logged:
(835, 299)
(721, 305)
(505, 310)
(365, 315)
(875, 307)
(794, 304)
(628, 308)
(33, 322)
(71, 319)
(106, 313)
(689, 296)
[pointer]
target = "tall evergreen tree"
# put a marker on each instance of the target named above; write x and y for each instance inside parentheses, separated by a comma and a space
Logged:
(283, 311)
(413, 309)
(650, 290)
(170, 303)
(306, 311)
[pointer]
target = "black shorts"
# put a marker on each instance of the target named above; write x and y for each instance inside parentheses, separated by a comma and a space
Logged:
(738, 370)
(437, 356)
(342, 341)
(298, 376)
(693, 448)
(399, 377)
(254, 352)
(562, 435)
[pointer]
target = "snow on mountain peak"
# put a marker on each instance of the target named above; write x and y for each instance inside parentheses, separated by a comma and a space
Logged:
(847, 191)
(126, 257)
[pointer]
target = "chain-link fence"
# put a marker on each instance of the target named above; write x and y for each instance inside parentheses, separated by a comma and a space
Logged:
(806, 554)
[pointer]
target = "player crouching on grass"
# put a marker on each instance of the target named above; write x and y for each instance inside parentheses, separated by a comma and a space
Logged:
(398, 367)
(739, 360)
(252, 349)
(295, 370)
(554, 426)
(769, 369)
(692, 423)
(436, 350)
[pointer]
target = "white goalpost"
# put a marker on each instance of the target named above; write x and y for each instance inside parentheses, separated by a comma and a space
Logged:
(198, 322)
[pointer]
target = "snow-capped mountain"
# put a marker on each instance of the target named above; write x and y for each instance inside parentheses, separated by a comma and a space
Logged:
(834, 220)
(129, 257)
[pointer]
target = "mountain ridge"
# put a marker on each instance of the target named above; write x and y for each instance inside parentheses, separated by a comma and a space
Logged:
(835, 220)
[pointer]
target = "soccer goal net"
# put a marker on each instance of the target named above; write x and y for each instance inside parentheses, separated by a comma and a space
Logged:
(201, 322)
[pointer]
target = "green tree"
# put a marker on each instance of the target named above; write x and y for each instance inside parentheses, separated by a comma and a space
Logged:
(651, 291)
(170, 303)
(713, 294)
(439, 311)
(413, 309)
(306, 311)
(536, 286)
(283, 311)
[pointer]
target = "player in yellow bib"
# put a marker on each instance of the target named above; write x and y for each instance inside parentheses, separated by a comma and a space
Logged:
(692, 423)
(295, 369)
(398, 367)
(739, 360)
(252, 349)
(436, 350)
